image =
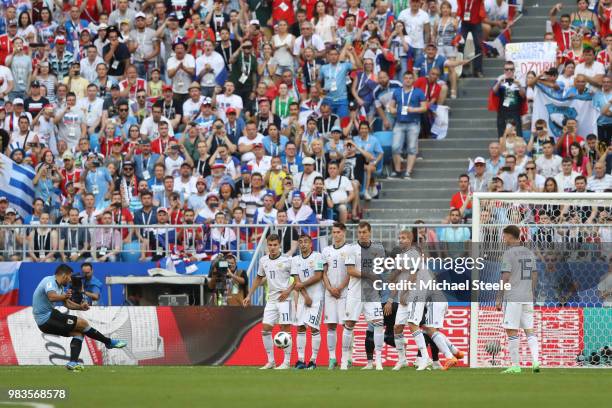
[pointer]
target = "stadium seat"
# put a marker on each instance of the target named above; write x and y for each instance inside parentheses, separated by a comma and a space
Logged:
(386, 139)
(131, 252)
(246, 256)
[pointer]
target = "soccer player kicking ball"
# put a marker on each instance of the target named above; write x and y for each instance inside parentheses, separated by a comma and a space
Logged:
(336, 281)
(307, 270)
(276, 268)
(519, 269)
(51, 321)
(360, 295)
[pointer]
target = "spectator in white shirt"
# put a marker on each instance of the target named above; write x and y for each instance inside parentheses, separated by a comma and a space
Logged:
(304, 180)
(565, 179)
(186, 183)
(261, 163)
(340, 190)
(228, 100)
(191, 107)
(209, 66)
(92, 108)
(593, 70)
(496, 20)
(549, 164)
(599, 181)
(416, 22)
(90, 63)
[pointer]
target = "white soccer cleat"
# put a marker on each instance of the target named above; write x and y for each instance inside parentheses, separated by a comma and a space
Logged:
(399, 365)
(417, 361)
(379, 366)
(436, 365)
(344, 366)
(269, 365)
(368, 366)
(284, 366)
(425, 364)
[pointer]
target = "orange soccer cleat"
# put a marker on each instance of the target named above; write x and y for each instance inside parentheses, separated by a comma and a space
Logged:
(451, 362)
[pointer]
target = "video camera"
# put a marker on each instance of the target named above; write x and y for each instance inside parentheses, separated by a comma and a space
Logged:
(77, 289)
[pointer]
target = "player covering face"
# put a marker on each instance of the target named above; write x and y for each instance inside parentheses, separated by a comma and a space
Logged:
(307, 271)
(275, 268)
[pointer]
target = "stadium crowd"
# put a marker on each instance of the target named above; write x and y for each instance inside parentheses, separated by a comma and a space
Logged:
(230, 112)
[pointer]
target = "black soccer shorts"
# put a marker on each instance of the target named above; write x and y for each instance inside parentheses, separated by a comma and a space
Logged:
(59, 324)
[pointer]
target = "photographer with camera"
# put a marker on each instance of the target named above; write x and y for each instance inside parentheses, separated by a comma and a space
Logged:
(229, 284)
(511, 94)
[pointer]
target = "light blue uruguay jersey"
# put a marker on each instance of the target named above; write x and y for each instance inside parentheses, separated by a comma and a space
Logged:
(41, 305)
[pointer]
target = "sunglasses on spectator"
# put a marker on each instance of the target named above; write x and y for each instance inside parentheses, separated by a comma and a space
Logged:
(123, 110)
(508, 69)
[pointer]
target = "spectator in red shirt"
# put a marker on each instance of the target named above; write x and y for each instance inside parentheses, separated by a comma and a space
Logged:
(462, 200)
(472, 13)
(160, 144)
(69, 173)
(569, 136)
(435, 91)
(561, 29)
(121, 215)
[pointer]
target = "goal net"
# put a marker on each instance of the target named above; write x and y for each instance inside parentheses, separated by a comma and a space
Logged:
(571, 236)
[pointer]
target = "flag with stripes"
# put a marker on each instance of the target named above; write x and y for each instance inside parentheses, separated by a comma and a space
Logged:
(16, 185)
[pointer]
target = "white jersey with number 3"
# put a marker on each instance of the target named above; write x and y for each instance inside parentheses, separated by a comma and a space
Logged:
(336, 264)
(277, 271)
(305, 268)
(520, 262)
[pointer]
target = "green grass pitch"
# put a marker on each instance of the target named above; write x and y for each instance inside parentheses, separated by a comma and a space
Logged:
(176, 387)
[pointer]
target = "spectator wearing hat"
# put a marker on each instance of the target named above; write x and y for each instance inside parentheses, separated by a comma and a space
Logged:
(191, 106)
(197, 200)
(20, 64)
(210, 66)
(304, 180)
(207, 214)
(232, 164)
(35, 102)
(6, 40)
(234, 125)
(116, 55)
(218, 176)
(144, 46)
(300, 213)
(480, 178)
(60, 59)
(181, 68)
(69, 172)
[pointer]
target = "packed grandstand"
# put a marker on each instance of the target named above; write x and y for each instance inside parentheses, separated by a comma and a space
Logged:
(209, 124)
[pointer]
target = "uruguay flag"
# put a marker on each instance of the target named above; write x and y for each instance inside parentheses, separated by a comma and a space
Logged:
(9, 283)
(16, 185)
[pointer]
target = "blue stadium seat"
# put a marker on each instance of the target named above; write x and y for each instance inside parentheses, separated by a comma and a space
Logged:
(386, 139)
(131, 252)
(246, 256)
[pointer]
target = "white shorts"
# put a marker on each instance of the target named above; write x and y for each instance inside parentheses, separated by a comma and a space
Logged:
(371, 310)
(411, 312)
(518, 315)
(309, 316)
(334, 309)
(436, 311)
(277, 312)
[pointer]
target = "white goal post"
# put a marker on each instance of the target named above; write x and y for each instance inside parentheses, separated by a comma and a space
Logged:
(571, 234)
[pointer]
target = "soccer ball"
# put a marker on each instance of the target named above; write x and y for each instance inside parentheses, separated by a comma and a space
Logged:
(493, 347)
(282, 340)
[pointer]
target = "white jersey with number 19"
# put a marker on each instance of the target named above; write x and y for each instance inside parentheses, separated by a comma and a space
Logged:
(278, 274)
